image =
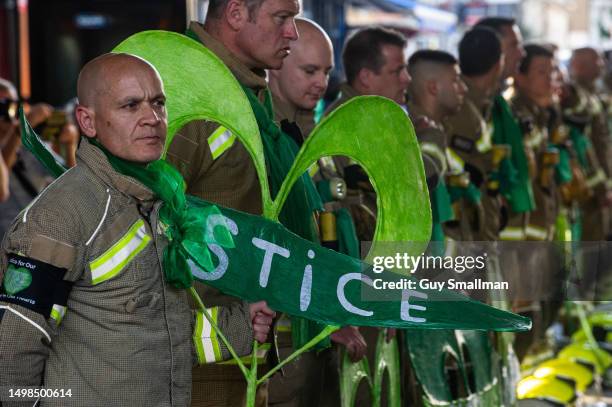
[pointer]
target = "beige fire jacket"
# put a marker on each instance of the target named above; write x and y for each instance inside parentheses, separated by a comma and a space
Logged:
(121, 336)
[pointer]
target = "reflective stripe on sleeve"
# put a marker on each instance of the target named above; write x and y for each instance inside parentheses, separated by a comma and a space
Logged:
(221, 140)
(512, 233)
(436, 152)
(455, 163)
(57, 313)
(112, 261)
(205, 337)
(596, 179)
(536, 232)
(262, 352)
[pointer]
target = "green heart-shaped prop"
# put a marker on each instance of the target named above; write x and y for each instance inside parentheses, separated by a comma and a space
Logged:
(16, 279)
(373, 131)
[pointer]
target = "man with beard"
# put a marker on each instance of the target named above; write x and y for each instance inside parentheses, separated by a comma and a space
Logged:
(436, 92)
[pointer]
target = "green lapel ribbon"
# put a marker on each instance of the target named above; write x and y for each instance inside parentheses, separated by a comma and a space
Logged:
(471, 193)
(187, 230)
(302, 201)
(505, 175)
(563, 170)
(441, 207)
(280, 152)
(581, 144)
(347, 235)
(507, 131)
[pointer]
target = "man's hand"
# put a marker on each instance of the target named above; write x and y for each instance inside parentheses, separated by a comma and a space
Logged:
(352, 340)
(261, 317)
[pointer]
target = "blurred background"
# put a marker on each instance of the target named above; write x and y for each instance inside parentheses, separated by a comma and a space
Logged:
(44, 43)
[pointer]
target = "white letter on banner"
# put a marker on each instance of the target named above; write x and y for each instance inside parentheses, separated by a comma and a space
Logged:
(306, 284)
(342, 298)
(271, 249)
(221, 268)
(406, 306)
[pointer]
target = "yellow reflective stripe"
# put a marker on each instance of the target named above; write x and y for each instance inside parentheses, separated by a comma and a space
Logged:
(312, 171)
(262, 351)
(434, 151)
(220, 141)
(205, 337)
(512, 233)
(110, 263)
(596, 179)
(283, 325)
(57, 313)
(485, 142)
(536, 232)
(455, 162)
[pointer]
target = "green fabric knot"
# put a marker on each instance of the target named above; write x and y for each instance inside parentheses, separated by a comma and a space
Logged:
(189, 230)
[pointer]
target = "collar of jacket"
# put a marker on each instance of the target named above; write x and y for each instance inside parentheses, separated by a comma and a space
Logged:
(284, 111)
(538, 114)
(347, 91)
(481, 100)
(254, 79)
(416, 111)
(93, 158)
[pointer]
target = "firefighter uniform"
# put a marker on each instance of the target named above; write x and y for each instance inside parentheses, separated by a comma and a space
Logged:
(218, 168)
(84, 305)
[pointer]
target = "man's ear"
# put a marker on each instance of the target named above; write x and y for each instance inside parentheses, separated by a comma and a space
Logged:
(364, 77)
(431, 85)
(87, 121)
(236, 14)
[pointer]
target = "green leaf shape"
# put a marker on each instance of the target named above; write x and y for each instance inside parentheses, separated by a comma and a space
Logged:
(16, 279)
(376, 133)
(219, 97)
(372, 130)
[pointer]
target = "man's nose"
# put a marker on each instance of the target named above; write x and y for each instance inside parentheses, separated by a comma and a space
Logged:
(151, 115)
(405, 77)
(291, 31)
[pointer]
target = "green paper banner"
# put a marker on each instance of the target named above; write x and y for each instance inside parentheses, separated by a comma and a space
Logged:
(307, 280)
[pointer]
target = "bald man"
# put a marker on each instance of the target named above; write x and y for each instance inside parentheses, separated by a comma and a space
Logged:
(83, 305)
(296, 89)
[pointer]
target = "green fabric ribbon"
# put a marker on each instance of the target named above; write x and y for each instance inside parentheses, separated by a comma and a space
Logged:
(187, 231)
(303, 199)
(507, 131)
(280, 152)
(471, 193)
(347, 235)
(441, 208)
(581, 144)
(563, 170)
(505, 174)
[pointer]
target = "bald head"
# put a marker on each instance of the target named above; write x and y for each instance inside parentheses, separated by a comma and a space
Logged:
(302, 80)
(97, 74)
(122, 105)
(586, 65)
(311, 35)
